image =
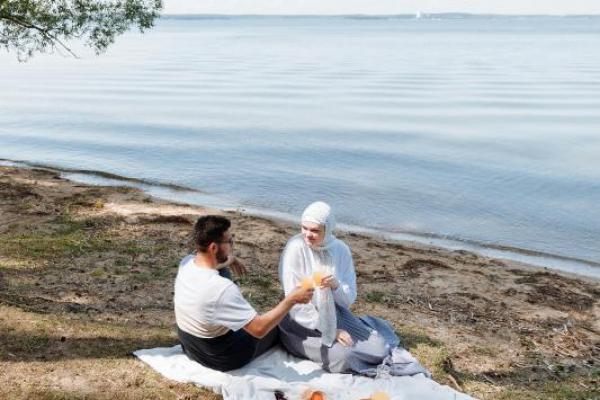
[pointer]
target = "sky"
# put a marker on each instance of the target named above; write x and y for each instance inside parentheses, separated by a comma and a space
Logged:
(553, 7)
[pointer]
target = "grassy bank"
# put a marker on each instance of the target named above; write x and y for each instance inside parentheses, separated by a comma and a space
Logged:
(86, 276)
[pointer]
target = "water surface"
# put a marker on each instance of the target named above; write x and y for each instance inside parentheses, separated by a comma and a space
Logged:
(480, 131)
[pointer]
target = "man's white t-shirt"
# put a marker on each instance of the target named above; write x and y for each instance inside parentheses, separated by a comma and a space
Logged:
(206, 304)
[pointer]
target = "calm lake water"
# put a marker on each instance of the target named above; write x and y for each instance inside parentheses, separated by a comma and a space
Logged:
(471, 132)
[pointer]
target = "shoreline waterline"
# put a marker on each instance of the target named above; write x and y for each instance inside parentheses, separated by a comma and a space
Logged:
(185, 195)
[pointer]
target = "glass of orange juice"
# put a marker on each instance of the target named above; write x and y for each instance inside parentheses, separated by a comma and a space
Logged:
(307, 283)
(317, 278)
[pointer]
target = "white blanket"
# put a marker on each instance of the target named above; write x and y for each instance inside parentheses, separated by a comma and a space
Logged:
(277, 370)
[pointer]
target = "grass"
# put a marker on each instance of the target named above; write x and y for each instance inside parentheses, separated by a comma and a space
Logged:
(577, 387)
(69, 238)
(413, 337)
(41, 246)
(569, 385)
(47, 356)
(81, 290)
(376, 297)
(98, 273)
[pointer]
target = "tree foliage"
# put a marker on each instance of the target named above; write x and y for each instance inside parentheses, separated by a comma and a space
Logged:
(38, 26)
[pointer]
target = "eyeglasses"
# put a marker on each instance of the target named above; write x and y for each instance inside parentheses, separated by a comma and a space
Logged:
(230, 241)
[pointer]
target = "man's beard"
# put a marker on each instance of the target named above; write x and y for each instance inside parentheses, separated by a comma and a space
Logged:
(221, 256)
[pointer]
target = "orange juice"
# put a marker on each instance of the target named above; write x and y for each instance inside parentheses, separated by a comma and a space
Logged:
(317, 278)
(310, 394)
(380, 396)
(307, 283)
(317, 396)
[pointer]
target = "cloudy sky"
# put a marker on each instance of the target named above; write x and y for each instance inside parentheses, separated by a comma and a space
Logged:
(381, 6)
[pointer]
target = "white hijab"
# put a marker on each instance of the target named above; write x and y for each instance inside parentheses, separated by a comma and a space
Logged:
(319, 212)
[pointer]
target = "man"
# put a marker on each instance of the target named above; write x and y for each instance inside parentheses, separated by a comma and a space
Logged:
(217, 327)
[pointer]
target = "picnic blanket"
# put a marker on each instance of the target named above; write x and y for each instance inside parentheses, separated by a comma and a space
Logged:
(278, 370)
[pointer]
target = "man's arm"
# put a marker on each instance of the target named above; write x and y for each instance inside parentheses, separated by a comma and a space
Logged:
(235, 265)
(263, 324)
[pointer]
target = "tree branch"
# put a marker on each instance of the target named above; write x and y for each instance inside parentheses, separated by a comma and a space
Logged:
(45, 32)
(32, 26)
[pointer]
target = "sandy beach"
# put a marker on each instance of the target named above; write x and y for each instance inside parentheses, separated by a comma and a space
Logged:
(86, 275)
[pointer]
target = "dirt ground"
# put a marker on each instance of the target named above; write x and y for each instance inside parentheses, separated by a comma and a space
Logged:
(87, 272)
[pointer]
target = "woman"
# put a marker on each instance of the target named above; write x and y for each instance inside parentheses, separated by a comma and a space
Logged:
(325, 330)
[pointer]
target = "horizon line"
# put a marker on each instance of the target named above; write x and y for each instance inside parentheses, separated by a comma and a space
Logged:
(422, 14)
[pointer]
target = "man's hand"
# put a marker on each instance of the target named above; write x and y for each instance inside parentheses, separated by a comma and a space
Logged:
(301, 295)
(263, 324)
(330, 281)
(344, 338)
(236, 266)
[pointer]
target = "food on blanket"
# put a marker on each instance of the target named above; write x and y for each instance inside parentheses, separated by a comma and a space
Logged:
(307, 283)
(310, 394)
(317, 396)
(380, 396)
(318, 278)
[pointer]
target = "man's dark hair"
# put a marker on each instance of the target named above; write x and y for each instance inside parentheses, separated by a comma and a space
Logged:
(209, 229)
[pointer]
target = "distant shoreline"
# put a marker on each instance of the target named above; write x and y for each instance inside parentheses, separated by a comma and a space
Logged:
(450, 15)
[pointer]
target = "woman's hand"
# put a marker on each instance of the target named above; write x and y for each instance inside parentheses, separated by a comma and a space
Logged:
(330, 281)
(344, 338)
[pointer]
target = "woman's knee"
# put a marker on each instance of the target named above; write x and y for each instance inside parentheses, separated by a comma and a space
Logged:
(336, 358)
(374, 350)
